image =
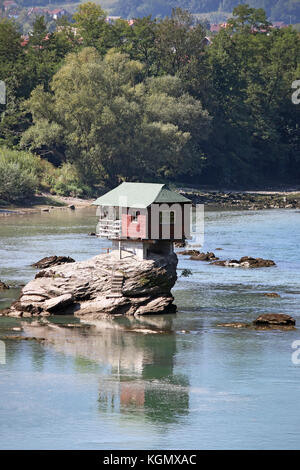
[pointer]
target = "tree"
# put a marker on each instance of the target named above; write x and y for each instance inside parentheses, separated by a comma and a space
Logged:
(12, 73)
(10, 43)
(178, 42)
(140, 42)
(113, 126)
(249, 19)
(255, 123)
(90, 22)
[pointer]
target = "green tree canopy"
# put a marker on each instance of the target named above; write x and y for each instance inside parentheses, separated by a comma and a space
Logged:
(113, 126)
(251, 19)
(90, 22)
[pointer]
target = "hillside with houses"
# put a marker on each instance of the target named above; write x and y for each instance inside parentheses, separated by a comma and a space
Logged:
(212, 12)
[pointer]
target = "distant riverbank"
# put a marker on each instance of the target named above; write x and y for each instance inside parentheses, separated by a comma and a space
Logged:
(249, 200)
(44, 203)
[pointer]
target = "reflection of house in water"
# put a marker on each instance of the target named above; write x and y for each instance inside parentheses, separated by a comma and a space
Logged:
(132, 394)
(156, 392)
(162, 400)
(136, 365)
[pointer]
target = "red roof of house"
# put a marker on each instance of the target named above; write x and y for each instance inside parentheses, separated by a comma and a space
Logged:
(56, 11)
(25, 40)
(8, 3)
(215, 28)
(279, 24)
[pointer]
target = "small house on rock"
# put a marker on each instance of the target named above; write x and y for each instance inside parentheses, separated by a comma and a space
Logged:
(143, 218)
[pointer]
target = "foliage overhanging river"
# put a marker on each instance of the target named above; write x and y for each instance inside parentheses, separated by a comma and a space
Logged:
(193, 384)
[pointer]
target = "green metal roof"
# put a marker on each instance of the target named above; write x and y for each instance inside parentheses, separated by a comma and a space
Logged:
(139, 195)
(167, 196)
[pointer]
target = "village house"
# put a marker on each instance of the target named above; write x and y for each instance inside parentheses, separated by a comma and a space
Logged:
(9, 4)
(57, 13)
(215, 28)
(112, 19)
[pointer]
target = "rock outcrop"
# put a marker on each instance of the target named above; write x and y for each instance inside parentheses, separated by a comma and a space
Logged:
(266, 321)
(274, 319)
(89, 287)
(189, 252)
(246, 262)
(209, 256)
(52, 261)
(198, 255)
(180, 244)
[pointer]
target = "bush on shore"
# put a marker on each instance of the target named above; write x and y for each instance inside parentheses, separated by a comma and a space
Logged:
(65, 181)
(22, 174)
(18, 175)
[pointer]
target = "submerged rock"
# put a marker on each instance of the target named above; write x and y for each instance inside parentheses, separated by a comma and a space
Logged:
(22, 338)
(4, 312)
(186, 273)
(199, 256)
(209, 256)
(3, 286)
(101, 285)
(180, 244)
(52, 261)
(265, 322)
(189, 252)
(235, 325)
(271, 294)
(274, 319)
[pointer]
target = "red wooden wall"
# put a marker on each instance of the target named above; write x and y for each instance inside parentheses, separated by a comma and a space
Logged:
(134, 229)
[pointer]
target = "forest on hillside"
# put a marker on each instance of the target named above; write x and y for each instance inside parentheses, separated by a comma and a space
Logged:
(108, 102)
(213, 10)
(283, 10)
(276, 10)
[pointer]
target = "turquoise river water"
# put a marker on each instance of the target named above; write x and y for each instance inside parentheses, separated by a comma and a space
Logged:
(194, 385)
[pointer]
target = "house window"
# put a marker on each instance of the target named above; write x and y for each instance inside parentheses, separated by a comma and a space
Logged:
(104, 213)
(134, 216)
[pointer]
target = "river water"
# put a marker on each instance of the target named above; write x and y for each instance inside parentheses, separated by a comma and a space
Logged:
(119, 385)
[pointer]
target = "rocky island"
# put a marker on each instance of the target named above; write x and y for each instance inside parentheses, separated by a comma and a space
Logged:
(143, 221)
(101, 285)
